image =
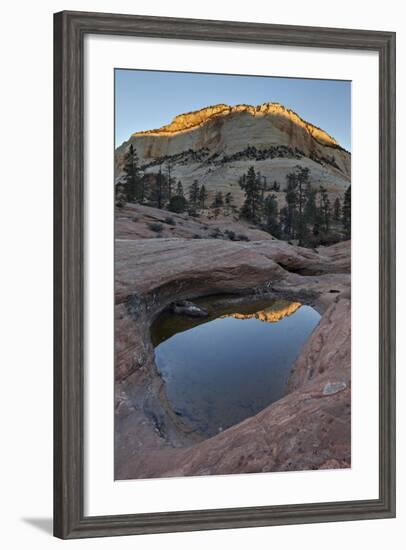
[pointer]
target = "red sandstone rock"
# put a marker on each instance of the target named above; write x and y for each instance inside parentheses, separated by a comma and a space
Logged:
(308, 429)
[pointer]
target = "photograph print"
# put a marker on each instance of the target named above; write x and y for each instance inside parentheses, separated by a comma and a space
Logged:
(232, 199)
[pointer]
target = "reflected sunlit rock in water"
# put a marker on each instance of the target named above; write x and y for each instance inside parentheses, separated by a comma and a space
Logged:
(230, 365)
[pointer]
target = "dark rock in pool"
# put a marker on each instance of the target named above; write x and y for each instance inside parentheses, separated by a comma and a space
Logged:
(189, 308)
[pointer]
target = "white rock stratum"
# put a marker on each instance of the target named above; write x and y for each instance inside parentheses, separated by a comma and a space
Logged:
(217, 144)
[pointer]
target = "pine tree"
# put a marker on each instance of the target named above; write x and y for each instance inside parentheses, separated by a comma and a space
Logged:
(283, 220)
(263, 186)
(337, 209)
(303, 183)
(310, 209)
(271, 215)
(169, 180)
(252, 188)
(346, 214)
(218, 200)
(159, 191)
(120, 195)
(178, 204)
(194, 194)
(301, 206)
(142, 188)
(202, 196)
(229, 201)
(291, 197)
(325, 210)
(132, 179)
(261, 192)
(179, 189)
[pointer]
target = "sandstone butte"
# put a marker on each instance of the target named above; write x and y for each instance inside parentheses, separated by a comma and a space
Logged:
(216, 145)
(195, 119)
(309, 428)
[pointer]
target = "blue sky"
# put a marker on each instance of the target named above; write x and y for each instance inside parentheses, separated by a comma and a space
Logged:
(149, 99)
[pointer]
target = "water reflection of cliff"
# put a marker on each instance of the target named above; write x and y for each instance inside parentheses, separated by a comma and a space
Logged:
(168, 324)
(278, 311)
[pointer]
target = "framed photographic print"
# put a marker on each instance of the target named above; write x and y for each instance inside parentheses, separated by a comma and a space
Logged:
(224, 274)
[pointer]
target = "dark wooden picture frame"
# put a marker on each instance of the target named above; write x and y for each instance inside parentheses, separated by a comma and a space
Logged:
(69, 31)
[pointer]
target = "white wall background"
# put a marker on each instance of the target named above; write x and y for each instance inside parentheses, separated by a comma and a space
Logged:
(26, 273)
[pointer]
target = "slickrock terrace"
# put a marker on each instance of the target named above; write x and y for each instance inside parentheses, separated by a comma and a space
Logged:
(307, 429)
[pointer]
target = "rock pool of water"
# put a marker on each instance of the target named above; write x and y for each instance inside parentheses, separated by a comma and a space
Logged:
(224, 368)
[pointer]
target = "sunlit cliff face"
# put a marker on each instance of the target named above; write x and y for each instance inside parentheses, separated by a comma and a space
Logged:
(272, 314)
(195, 119)
(217, 145)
